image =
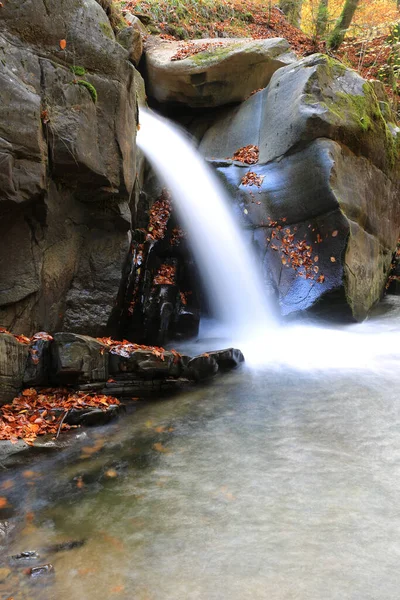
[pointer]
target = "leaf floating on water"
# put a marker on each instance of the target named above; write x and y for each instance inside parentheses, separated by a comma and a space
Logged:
(111, 473)
(118, 589)
(160, 448)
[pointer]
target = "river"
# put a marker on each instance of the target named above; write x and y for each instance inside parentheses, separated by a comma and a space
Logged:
(277, 481)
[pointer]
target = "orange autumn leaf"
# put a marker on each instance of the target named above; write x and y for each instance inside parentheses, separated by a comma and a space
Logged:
(63, 44)
(160, 448)
(3, 502)
(29, 474)
(7, 484)
(111, 473)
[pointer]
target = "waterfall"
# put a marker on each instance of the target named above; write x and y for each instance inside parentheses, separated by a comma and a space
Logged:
(226, 263)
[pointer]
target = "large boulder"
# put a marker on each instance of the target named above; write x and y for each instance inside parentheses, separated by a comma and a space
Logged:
(67, 165)
(225, 71)
(322, 199)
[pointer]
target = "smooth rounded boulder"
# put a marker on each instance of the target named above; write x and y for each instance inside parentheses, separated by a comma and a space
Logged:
(209, 73)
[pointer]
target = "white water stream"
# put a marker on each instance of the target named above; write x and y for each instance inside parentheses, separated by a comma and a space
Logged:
(227, 267)
(232, 281)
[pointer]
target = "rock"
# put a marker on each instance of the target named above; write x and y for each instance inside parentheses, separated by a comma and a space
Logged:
(25, 557)
(143, 364)
(227, 359)
(63, 546)
(13, 358)
(227, 71)
(38, 363)
(78, 358)
(315, 117)
(202, 367)
(41, 571)
(331, 102)
(131, 38)
(67, 166)
(94, 416)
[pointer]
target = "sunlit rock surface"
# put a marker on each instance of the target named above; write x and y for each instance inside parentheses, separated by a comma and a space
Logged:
(226, 71)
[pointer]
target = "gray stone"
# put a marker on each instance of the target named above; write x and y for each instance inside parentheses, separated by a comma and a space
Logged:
(78, 358)
(67, 165)
(143, 364)
(13, 358)
(227, 71)
(38, 364)
(202, 367)
(328, 170)
(131, 38)
(347, 196)
(227, 359)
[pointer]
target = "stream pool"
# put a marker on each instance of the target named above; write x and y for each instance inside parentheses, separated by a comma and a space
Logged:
(277, 481)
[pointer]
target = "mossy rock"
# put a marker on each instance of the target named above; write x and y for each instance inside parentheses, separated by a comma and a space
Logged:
(222, 72)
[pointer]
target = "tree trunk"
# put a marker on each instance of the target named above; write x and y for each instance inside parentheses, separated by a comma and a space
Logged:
(292, 10)
(343, 24)
(322, 18)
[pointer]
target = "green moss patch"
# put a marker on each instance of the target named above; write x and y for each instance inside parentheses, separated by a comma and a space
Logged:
(90, 88)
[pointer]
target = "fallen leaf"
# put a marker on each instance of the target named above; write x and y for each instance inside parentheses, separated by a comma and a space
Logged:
(111, 473)
(3, 502)
(160, 448)
(63, 44)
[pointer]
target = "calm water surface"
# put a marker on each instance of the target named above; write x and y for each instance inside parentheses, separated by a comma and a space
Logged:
(276, 482)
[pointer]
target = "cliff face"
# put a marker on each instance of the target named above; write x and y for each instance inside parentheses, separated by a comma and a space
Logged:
(68, 115)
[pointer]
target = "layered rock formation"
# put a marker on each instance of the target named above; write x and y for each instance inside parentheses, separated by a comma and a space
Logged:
(68, 112)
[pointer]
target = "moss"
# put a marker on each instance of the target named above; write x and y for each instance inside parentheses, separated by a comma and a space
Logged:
(90, 88)
(114, 14)
(78, 70)
(216, 53)
(106, 29)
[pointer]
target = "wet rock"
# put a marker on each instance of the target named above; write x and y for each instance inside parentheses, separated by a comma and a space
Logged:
(94, 416)
(202, 367)
(346, 216)
(25, 557)
(179, 365)
(78, 358)
(63, 546)
(142, 363)
(227, 359)
(13, 358)
(226, 72)
(38, 364)
(41, 571)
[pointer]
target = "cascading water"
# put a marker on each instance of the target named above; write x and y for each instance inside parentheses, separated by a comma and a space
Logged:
(227, 267)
